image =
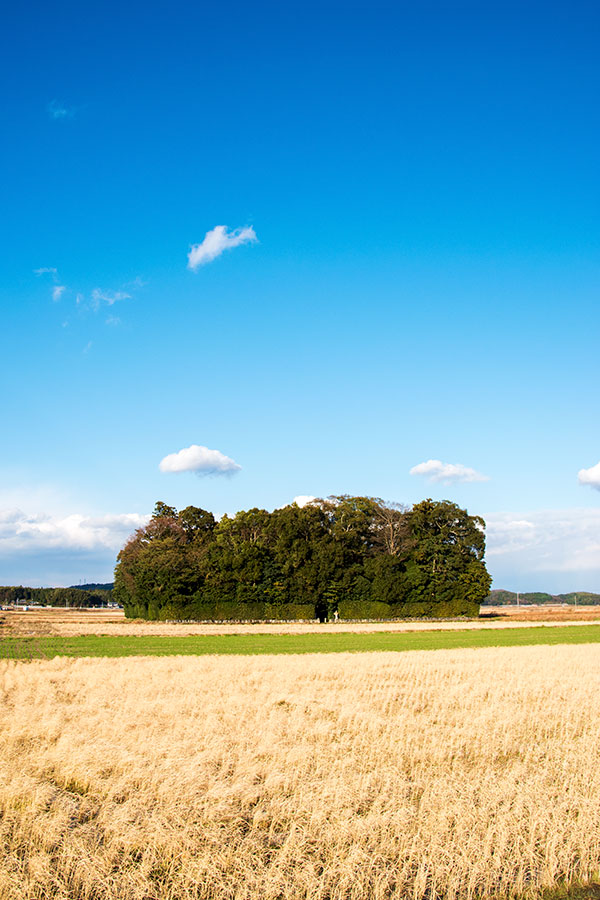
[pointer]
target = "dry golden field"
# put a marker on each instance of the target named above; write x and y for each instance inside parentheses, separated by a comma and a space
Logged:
(447, 774)
(71, 622)
(543, 613)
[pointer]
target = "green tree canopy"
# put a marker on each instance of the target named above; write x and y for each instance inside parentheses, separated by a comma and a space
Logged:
(356, 557)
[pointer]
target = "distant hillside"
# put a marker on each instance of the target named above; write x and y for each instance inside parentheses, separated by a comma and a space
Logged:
(577, 598)
(93, 586)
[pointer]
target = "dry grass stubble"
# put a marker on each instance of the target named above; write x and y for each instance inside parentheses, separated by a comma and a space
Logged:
(71, 622)
(451, 774)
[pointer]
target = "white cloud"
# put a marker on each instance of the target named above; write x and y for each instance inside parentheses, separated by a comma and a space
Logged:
(98, 299)
(46, 539)
(200, 460)
(590, 476)
(303, 500)
(32, 533)
(436, 470)
(562, 540)
(109, 297)
(58, 289)
(216, 241)
(58, 111)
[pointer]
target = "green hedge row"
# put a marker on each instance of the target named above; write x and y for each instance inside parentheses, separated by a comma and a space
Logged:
(221, 612)
(371, 609)
(347, 609)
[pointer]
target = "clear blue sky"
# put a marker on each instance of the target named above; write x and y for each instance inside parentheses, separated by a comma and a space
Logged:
(423, 183)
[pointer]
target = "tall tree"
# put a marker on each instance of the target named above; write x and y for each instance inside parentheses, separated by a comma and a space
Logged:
(448, 551)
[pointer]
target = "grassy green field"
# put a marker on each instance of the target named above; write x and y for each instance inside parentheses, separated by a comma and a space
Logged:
(48, 646)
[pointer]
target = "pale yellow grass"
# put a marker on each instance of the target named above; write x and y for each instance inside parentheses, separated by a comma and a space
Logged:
(449, 774)
(71, 622)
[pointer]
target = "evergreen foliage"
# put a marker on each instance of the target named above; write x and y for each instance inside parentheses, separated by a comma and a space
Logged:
(345, 557)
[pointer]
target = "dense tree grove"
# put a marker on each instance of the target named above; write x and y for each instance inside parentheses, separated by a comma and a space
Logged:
(350, 557)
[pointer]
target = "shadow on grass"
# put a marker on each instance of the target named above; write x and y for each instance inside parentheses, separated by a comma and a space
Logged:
(589, 891)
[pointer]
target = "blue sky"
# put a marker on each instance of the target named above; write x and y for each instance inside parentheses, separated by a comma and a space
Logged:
(422, 181)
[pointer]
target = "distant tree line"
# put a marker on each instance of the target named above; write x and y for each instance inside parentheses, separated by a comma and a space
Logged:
(346, 557)
(94, 586)
(575, 598)
(71, 596)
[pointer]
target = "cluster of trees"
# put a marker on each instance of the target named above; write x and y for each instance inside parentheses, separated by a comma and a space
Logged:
(71, 596)
(346, 557)
(576, 598)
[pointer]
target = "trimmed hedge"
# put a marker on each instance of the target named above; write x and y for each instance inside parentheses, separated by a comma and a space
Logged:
(223, 611)
(364, 609)
(434, 610)
(373, 609)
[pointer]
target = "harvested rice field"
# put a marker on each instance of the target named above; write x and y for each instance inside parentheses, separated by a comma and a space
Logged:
(79, 622)
(470, 773)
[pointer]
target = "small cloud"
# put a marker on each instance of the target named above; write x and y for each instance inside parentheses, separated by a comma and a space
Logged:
(216, 241)
(59, 112)
(303, 500)
(58, 289)
(87, 347)
(94, 303)
(435, 470)
(590, 476)
(200, 460)
(108, 297)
